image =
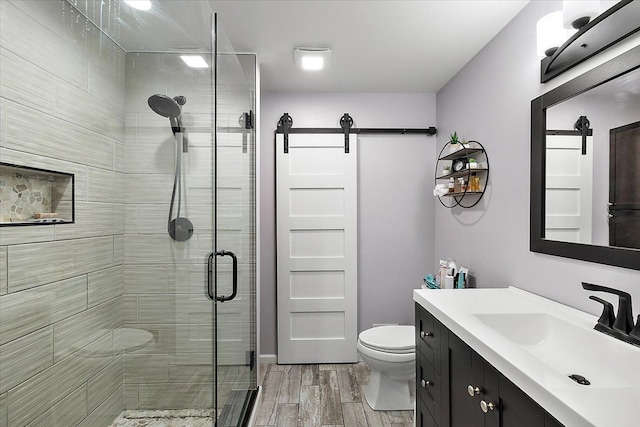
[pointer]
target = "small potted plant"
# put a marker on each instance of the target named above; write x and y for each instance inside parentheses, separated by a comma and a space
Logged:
(473, 164)
(454, 142)
(446, 170)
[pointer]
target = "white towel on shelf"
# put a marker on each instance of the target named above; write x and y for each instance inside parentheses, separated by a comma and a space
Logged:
(440, 190)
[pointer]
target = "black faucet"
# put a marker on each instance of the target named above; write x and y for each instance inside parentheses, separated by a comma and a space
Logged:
(621, 325)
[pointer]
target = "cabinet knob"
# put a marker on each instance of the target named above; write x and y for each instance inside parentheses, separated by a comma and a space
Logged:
(424, 334)
(486, 407)
(424, 383)
(473, 390)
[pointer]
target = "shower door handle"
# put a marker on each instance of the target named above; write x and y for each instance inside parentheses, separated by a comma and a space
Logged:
(210, 290)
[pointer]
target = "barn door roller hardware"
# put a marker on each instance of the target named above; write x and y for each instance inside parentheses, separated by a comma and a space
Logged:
(582, 128)
(285, 127)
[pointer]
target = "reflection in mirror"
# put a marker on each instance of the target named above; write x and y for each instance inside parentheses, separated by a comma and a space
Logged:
(592, 176)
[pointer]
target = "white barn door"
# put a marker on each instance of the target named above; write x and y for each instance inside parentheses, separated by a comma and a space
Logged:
(316, 185)
(568, 180)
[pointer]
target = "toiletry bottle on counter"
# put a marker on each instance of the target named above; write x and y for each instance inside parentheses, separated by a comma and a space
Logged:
(448, 282)
(442, 272)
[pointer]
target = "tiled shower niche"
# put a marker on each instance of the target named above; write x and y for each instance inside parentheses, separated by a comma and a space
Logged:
(31, 196)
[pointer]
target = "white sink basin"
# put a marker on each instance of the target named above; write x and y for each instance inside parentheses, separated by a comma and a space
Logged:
(556, 342)
(528, 329)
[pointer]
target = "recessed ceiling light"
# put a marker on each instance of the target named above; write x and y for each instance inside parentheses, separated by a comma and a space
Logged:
(312, 59)
(194, 61)
(139, 4)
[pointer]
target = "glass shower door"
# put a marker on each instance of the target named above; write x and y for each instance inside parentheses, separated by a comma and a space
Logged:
(234, 259)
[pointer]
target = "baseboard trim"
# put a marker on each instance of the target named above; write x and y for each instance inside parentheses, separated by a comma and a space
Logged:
(273, 358)
(268, 358)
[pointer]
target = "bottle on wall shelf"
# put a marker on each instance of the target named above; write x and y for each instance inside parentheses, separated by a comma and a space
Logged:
(452, 185)
(461, 187)
(474, 183)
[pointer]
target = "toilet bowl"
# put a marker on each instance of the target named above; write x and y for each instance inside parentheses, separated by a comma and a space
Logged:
(390, 353)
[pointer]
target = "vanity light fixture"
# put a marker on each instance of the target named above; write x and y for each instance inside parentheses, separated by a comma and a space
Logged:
(577, 13)
(551, 34)
(194, 61)
(312, 58)
(555, 28)
(603, 31)
(139, 4)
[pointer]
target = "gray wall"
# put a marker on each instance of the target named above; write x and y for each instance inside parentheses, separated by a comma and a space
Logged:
(395, 205)
(489, 100)
(62, 108)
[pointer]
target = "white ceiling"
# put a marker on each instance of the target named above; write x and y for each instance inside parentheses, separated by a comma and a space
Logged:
(377, 45)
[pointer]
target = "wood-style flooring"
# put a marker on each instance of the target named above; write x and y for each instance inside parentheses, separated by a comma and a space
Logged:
(321, 395)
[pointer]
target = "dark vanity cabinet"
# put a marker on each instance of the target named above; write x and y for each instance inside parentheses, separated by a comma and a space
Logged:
(456, 387)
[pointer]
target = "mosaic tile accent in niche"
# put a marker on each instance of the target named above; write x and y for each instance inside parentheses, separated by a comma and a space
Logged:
(25, 192)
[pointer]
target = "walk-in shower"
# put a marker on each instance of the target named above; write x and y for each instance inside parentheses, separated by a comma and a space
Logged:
(179, 228)
(109, 317)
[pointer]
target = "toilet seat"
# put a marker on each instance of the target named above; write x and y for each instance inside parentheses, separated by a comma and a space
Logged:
(385, 355)
(396, 339)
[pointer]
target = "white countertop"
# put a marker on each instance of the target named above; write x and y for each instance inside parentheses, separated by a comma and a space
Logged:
(537, 343)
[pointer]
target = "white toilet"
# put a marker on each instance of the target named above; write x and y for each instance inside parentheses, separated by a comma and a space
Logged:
(390, 353)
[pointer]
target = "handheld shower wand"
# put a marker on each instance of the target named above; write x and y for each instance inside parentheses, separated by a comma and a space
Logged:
(179, 228)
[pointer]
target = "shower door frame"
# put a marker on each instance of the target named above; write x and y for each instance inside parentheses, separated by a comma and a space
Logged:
(250, 138)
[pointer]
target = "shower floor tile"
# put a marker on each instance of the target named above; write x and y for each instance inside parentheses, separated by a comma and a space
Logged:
(166, 418)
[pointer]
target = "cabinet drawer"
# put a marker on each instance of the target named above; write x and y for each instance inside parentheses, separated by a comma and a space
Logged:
(423, 416)
(429, 386)
(428, 336)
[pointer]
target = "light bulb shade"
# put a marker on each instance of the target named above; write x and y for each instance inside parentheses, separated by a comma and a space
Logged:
(550, 33)
(577, 13)
(312, 59)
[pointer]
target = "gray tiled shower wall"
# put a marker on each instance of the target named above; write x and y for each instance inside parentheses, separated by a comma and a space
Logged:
(62, 107)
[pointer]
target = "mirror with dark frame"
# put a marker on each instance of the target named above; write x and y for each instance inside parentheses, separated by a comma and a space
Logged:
(585, 166)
